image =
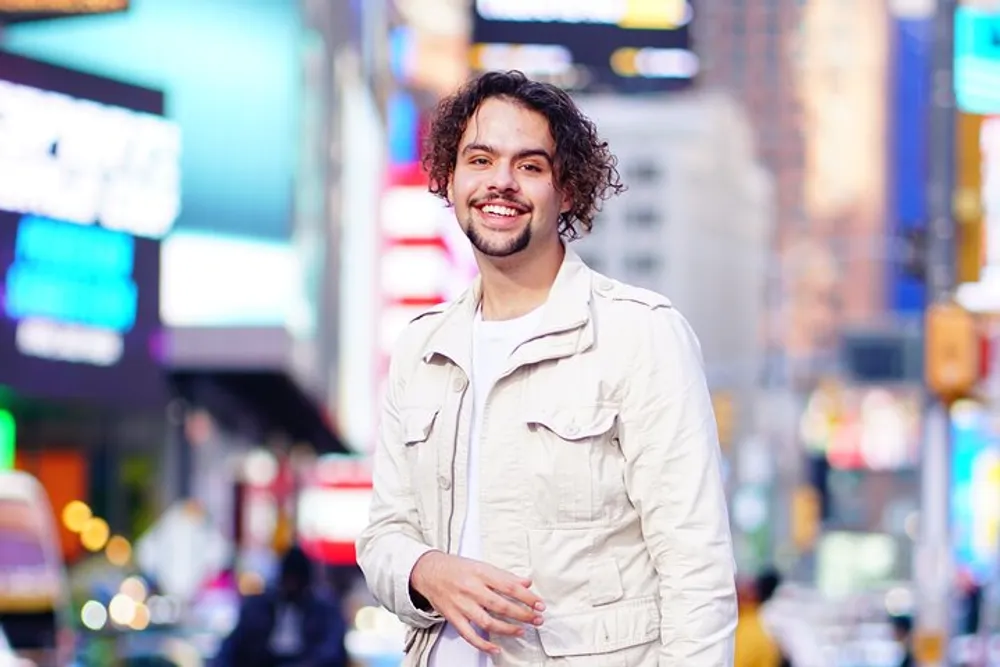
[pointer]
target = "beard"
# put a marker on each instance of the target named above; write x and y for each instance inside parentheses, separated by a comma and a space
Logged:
(504, 248)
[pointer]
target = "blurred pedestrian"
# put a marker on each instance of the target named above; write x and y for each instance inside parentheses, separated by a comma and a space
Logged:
(755, 647)
(783, 614)
(294, 624)
(902, 631)
(547, 477)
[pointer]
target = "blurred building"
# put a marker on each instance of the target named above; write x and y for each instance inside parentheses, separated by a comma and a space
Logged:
(80, 330)
(813, 78)
(746, 50)
(816, 79)
(695, 221)
(236, 318)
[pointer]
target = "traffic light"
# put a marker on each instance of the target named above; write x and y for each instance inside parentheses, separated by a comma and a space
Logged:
(968, 202)
(8, 440)
(951, 352)
(725, 416)
(806, 517)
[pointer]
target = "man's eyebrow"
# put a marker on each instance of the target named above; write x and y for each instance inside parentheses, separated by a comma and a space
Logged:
(478, 148)
(520, 155)
(533, 152)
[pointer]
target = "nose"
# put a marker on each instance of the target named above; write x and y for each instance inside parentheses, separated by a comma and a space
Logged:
(502, 178)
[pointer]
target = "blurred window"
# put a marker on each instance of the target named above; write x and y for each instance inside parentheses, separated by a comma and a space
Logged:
(644, 172)
(642, 265)
(643, 217)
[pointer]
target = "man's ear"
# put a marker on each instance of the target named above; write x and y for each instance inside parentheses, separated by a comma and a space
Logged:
(567, 203)
(451, 188)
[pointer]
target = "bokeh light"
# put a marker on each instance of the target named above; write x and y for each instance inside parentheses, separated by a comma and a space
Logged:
(140, 619)
(135, 588)
(118, 551)
(75, 515)
(122, 609)
(93, 615)
(94, 534)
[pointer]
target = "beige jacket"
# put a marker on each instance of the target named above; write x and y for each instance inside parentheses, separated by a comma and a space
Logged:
(602, 480)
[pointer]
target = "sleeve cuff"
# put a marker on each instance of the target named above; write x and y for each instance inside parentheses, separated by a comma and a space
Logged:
(411, 612)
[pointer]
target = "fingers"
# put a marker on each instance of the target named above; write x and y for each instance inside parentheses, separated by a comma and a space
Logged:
(470, 635)
(505, 608)
(493, 625)
(515, 588)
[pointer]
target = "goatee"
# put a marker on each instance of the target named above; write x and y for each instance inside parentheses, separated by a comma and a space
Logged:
(503, 249)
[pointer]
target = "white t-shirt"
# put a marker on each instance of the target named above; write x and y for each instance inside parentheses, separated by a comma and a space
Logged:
(492, 344)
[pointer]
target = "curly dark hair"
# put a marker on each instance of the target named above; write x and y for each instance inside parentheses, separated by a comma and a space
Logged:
(585, 168)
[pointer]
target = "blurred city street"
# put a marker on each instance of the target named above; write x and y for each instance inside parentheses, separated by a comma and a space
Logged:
(215, 223)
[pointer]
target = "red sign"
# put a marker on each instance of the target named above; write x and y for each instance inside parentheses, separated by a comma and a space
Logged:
(333, 508)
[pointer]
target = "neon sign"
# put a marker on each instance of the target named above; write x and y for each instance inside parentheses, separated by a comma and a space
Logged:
(88, 163)
(641, 14)
(71, 290)
(89, 184)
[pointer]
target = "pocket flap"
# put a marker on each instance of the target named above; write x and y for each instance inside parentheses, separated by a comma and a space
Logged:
(417, 424)
(576, 423)
(603, 630)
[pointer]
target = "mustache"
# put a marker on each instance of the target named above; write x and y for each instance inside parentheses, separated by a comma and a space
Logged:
(513, 202)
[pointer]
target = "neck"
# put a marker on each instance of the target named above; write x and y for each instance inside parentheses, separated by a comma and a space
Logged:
(514, 288)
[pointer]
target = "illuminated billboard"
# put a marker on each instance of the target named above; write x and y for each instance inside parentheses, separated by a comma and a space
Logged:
(89, 184)
(975, 483)
(628, 46)
(977, 60)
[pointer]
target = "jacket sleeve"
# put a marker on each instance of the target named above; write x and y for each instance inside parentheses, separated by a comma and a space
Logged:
(673, 477)
(391, 544)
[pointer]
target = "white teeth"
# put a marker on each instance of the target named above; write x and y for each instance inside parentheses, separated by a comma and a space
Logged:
(494, 209)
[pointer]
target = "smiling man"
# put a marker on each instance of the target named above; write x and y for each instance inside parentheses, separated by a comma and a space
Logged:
(547, 477)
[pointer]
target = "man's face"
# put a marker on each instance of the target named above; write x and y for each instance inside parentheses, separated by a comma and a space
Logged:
(504, 187)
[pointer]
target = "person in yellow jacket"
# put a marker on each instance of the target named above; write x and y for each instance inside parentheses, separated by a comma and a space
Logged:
(754, 645)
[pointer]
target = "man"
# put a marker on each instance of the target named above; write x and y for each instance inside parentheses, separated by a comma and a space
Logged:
(547, 484)
(292, 626)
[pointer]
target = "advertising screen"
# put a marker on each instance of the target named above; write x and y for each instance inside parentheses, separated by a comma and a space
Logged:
(89, 184)
(975, 485)
(627, 46)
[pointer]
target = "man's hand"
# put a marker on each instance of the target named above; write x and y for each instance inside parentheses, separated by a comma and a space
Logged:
(468, 592)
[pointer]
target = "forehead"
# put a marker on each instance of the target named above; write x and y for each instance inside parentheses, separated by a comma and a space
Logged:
(507, 126)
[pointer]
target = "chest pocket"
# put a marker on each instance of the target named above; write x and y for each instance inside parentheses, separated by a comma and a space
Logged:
(417, 424)
(578, 465)
(418, 427)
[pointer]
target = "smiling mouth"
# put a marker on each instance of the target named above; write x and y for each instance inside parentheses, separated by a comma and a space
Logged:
(501, 210)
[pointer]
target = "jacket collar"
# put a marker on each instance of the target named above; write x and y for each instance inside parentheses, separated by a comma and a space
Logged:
(565, 327)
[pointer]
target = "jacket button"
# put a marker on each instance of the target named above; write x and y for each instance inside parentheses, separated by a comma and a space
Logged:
(444, 483)
(459, 384)
(605, 286)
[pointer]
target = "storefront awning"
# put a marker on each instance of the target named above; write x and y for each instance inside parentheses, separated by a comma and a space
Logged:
(259, 404)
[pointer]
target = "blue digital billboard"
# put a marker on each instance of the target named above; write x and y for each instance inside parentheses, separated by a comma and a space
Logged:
(975, 484)
(977, 60)
(89, 184)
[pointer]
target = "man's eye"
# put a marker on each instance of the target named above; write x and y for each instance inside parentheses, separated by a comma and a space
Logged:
(478, 161)
(532, 167)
